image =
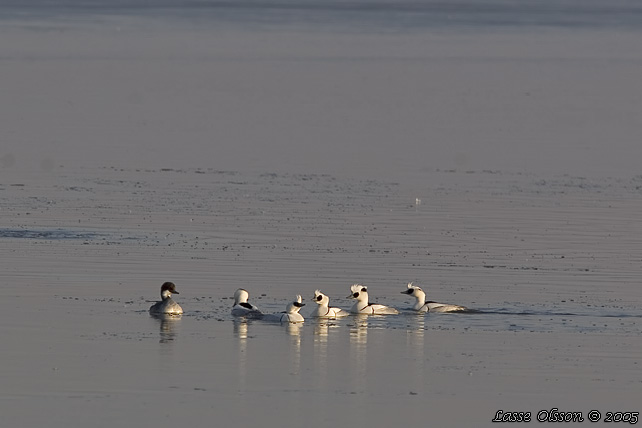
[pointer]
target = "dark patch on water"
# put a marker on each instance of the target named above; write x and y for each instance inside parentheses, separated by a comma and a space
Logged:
(354, 14)
(53, 234)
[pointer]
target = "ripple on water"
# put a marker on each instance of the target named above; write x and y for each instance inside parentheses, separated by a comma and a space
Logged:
(48, 234)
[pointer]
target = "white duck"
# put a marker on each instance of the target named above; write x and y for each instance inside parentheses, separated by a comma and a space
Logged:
(363, 306)
(291, 313)
(242, 308)
(421, 305)
(167, 305)
(322, 310)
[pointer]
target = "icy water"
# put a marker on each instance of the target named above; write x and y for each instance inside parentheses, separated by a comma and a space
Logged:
(550, 264)
(485, 151)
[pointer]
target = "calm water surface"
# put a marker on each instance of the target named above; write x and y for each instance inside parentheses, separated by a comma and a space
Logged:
(488, 151)
(558, 309)
(356, 14)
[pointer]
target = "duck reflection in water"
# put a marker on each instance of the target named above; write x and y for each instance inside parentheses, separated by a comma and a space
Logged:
(168, 326)
(359, 352)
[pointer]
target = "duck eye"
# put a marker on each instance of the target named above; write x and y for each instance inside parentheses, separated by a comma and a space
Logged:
(364, 289)
(319, 297)
(355, 295)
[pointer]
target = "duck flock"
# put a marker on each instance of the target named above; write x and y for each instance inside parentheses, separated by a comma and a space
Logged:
(362, 306)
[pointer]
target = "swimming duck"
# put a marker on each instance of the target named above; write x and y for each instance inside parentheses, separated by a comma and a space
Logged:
(421, 305)
(291, 313)
(242, 308)
(167, 305)
(322, 310)
(363, 306)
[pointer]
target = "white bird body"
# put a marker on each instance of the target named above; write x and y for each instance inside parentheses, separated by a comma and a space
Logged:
(323, 310)
(167, 305)
(293, 318)
(421, 305)
(242, 308)
(291, 314)
(363, 306)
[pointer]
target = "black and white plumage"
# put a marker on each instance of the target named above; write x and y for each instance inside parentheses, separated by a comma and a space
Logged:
(243, 308)
(291, 313)
(363, 305)
(421, 305)
(323, 310)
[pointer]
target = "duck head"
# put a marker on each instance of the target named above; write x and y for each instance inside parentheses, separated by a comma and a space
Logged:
(320, 298)
(167, 289)
(295, 306)
(359, 292)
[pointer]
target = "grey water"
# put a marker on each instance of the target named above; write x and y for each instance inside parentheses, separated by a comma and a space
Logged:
(553, 322)
(487, 151)
(365, 14)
